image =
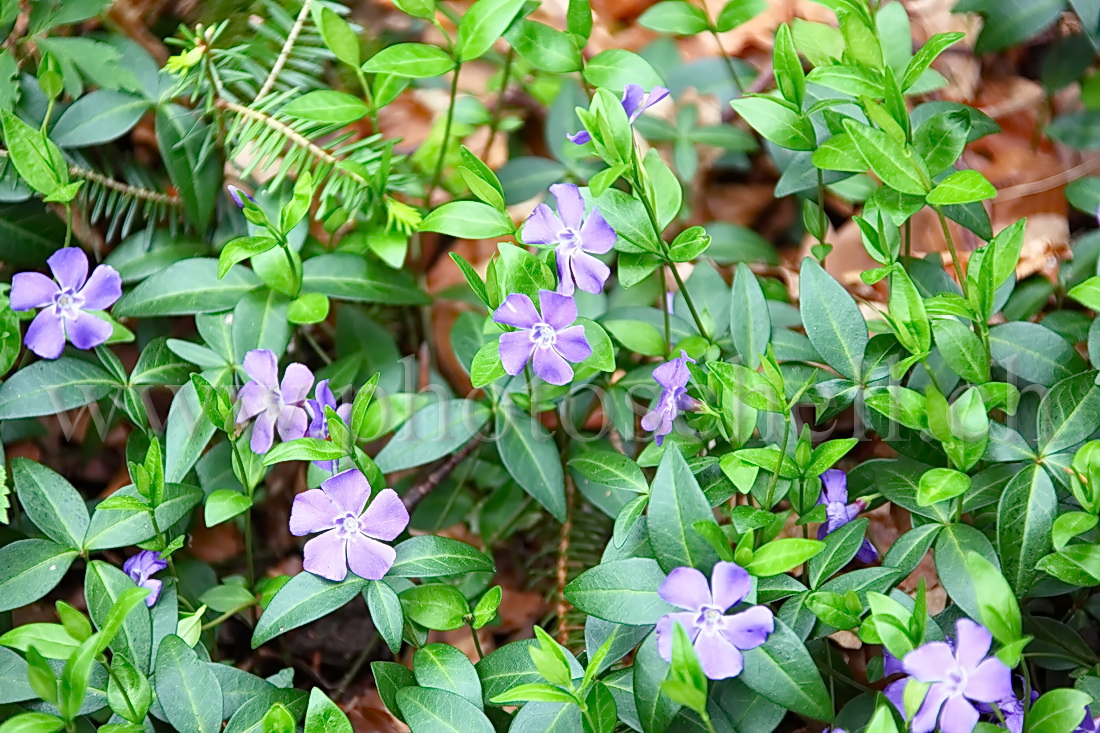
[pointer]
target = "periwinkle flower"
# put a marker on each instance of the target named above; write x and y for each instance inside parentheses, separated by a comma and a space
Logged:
(236, 194)
(318, 425)
(839, 512)
(635, 102)
(66, 302)
(548, 340)
(274, 405)
(1088, 725)
(352, 538)
(673, 377)
(140, 568)
(718, 639)
(959, 679)
(577, 239)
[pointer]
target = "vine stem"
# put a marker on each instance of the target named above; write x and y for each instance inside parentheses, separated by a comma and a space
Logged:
(437, 175)
(960, 273)
(498, 108)
(477, 644)
(782, 453)
(125, 189)
(284, 54)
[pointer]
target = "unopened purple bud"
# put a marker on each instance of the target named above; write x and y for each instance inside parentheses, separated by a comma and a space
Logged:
(237, 193)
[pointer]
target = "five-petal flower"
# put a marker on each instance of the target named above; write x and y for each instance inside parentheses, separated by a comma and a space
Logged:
(576, 237)
(352, 538)
(635, 102)
(271, 403)
(140, 568)
(838, 511)
(673, 378)
(318, 421)
(718, 639)
(548, 340)
(66, 302)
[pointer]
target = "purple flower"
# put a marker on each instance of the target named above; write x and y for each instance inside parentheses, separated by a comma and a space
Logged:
(718, 639)
(1088, 725)
(839, 512)
(275, 404)
(959, 678)
(66, 302)
(318, 425)
(236, 194)
(351, 535)
(548, 341)
(140, 567)
(576, 237)
(673, 377)
(635, 101)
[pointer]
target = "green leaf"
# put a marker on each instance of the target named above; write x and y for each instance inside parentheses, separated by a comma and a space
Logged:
(675, 17)
(614, 68)
(1069, 413)
(187, 689)
(323, 716)
(442, 667)
(941, 484)
(620, 591)
(897, 166)
(1075, 564)
(951, 550)
(412, 60)
(1025, 517)
(1033, 352)
(224, 504)
(611, 469)
(1070, 525)
(346, 276)
(51, 387)
(782, 671)
(52, 641)
(38, 161)
(98, 117)
(1058, 711)
(675, 502)
(789, 75)
(841, 546)
(832, 320)
(963, 351)
(241, 248)
(304, 449)
(1087, 293)
(50, 502)
(428, 710)
(385, 612)
(997, 605)
(468, 219)
(194, 167)
(922, 59)
(104, 586)
(750, 321)
(305, 598)
(342, 41)
(428, 556)
(962, 187)
(545, 48)
(531, 457)
(33, 723)
(187, 287)
(777, 122)
(782, 555)
(433, 432)
(482, 24)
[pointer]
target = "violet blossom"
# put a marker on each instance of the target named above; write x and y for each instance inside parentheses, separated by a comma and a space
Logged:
(318, 425)
(66, 303)
(549, 341)
(236, 194)
(839, 512)
(718, 639)
(140, 568)
(960, 680)
(352, 537)
(271, 403)
(673, 378)
(635, 102)
(1088, 725)
(577, 239)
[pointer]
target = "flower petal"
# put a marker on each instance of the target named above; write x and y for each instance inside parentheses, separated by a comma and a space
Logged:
(895, 693)
(518, 311)
(349, 491)
(597, 236)
(154, 587)
(32, 290)
(633, 94)
(262, 366)
(46, 337)
(588, 273)
(989, 682)
(386, 517)
(86, 331)
(252, 400)
(719, 658)
(324, 396)
(750, 628)
(729, 584)
(685, 587)
(656, 94)
(972, 642)
(673, 374)
(567, 281)
(867, 553)
(560, 311)
(69, 267)
(515, 350)
(549, 365)
(572, 344)
(326, 555)
(931, 662)
(103, 288)
(369, 559)
(263, 433)
(312, 511)
(570, 204)
(297, 379)
(292, 422)
(835, 486)
(665, 630)
(318, 424)
(580, 137)
(925, 719)
(958, 716)
(542, 227)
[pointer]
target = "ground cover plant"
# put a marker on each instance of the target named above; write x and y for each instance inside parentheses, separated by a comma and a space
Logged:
(509, 366)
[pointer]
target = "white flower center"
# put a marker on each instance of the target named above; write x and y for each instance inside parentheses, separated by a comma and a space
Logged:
(710, 617)
(955, 682)
(272, 401)
(68, 303)
(348, 524)
(570, 240)
(543, 335)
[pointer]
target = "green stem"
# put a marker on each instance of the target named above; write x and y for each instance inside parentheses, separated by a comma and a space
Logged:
(226, 616)
(372, 111)
(960, 273)
(908, 238)
(498, 108)
(437, 175)
(477, 644)
(821, 206)
(782, 452)
(705, 716)
(664, 308)
(729, 63)
(293, 269)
